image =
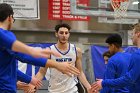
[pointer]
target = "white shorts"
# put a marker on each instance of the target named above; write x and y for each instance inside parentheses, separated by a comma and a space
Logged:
(73, 90)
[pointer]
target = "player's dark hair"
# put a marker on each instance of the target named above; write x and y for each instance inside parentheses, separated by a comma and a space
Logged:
(115, 39)
(57, 27)
(5, 11)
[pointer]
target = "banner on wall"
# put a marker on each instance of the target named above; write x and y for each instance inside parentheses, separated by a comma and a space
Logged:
(24, 9)
(98, 61)
(31, 69)
(60, 10)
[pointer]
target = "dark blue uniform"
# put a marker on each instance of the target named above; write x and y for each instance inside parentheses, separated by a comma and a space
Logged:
(8, 71)
(117, 66)
(131, 78)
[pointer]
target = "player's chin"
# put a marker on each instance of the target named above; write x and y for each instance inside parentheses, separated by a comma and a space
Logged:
(63, 42)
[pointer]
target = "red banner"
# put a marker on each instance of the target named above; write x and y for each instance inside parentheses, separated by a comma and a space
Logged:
(60, 10)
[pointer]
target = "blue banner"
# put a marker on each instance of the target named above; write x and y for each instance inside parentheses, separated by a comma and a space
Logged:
(98, 61)
(28, 68)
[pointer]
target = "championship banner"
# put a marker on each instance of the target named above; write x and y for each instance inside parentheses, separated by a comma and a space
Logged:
(24, 9)
(60, 10)
(98, 61)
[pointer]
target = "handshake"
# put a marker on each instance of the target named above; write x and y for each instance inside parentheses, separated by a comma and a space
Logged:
(96, 86)
(36, 84)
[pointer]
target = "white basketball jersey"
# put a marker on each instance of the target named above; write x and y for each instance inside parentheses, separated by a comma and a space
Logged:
(59, 82)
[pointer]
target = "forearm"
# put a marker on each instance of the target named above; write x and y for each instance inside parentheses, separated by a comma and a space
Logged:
(51, 64)
(31, 60)
(40, 75)
(84, 81)
(21, 85)
(21, 47)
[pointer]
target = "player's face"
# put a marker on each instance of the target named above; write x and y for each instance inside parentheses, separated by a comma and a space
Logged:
(111, 48)
(11, 21)
(106, 59)
(134, 37)
(63, 35)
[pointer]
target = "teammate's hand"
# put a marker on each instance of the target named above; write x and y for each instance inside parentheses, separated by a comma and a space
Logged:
(36, 82)
(31, 89)
(96, 86)
(89, 89)
(67, 68)
(27, 88)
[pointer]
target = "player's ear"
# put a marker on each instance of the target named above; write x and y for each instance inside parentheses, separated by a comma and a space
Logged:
(9, 18)
(56, 34)
(138, 34)
(113, 46)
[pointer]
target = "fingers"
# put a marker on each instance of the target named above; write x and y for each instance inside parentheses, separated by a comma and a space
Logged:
(55, 53)
(47, 52)
(74, 70)
(44, 56)
(70, 69)
(36, 82)
(94, 87)
(31, 91)
(69, 74)
(39, 84)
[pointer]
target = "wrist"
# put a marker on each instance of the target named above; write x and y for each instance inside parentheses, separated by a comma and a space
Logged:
(30, 50)
(88, 88)
(51, 63)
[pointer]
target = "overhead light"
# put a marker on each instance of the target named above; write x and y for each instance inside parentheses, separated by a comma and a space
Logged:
(136, 2)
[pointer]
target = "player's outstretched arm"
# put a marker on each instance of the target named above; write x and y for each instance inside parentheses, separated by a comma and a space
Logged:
(28, 79)
(21, 47)
(41, 73)
(64, 67)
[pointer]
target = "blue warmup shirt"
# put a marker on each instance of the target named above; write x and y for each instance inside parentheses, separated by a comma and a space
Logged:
(7, 39)
(8, 73)
(117, 66)
(131, 78)
(23, 77)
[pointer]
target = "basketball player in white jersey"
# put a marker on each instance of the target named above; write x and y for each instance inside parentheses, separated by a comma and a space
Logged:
(59, 82)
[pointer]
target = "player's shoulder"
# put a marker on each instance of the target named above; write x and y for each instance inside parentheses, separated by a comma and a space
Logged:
(136, 54)
(7, 33)
(114, 58)
(77, 49)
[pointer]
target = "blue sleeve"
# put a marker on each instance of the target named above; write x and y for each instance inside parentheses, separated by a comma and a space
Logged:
(23, 77)
(110, 73)
(29, 59)
(110, 70)
(106, 90)
(7, 40)
(129, 78)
